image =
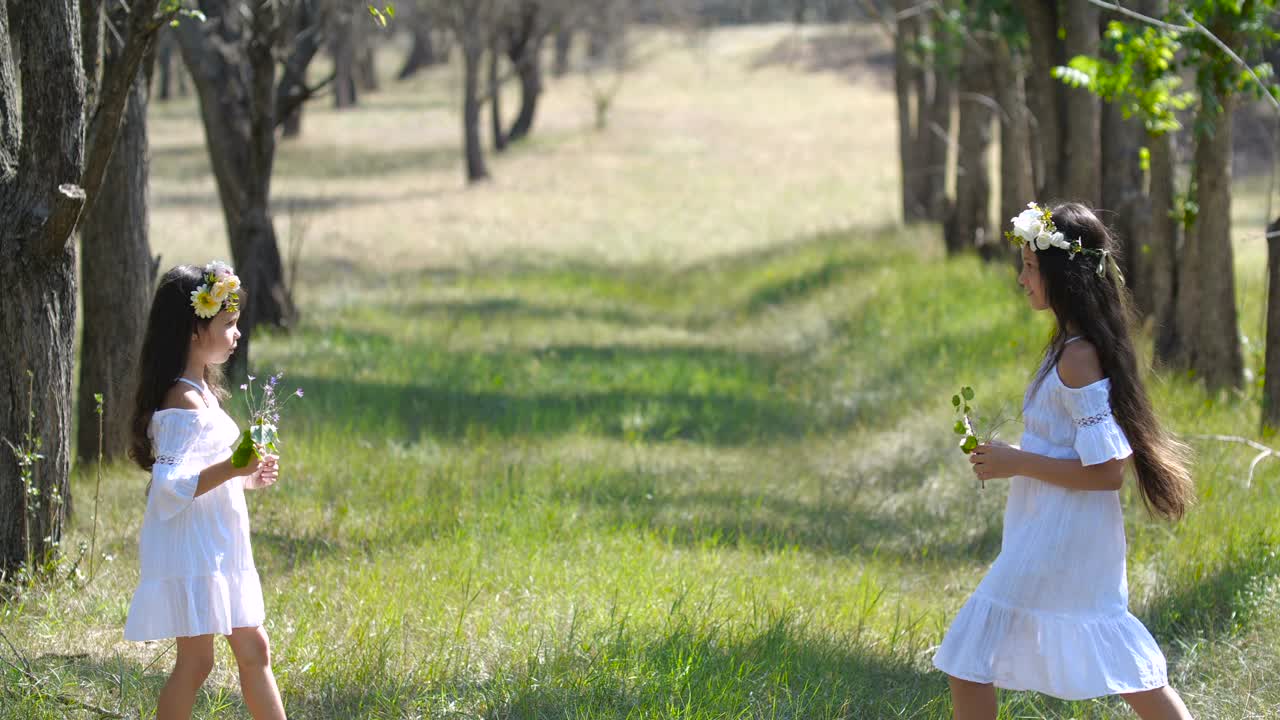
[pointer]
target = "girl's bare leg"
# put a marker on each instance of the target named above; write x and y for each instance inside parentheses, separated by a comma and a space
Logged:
(1159, 704)
(971, 700)
(192, 668)
(257, 682)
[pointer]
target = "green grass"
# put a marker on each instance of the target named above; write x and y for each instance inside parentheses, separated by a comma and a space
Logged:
(656, 425)
(726, 490)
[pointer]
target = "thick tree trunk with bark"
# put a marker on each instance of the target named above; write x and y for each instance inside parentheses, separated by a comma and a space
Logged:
(41, 148)
(1044, 96)
(1208, 331)
(1082, 110)
(969, 226)
(231, 62)
(117, 271)
(47, 175)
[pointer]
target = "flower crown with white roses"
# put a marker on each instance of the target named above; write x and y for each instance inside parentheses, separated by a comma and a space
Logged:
(221, 289)
(1034, 226)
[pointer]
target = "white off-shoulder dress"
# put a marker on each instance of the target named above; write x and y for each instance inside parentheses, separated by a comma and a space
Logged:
(1052, 614)
(198, 576)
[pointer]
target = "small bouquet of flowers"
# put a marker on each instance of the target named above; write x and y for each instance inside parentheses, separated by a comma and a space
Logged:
(968, 419)
(263, 434)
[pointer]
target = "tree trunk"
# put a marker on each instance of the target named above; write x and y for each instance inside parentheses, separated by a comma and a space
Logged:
(366, 61)
(1208, 328)
(1082, 177)
(903, 79)
(422, 51)
(1271, 382)
(1044, 95)
(969, 226)
(524, 50)
(529, 69)
(472, 56)
(1160, 247)
(115, 247)
(495, 101)
(1163, 239)
(164, 62)
(563, 47)
(1122, 194)
(234, 73)
(306, 25)
(1016, 183)
(343, 48)
(41, 148)
(936, 140)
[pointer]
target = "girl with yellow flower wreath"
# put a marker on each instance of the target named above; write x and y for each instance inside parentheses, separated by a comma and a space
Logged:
(198, 578)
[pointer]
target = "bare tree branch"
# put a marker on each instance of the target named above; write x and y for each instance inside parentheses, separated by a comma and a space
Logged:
(1264, 451)
(1195, 27)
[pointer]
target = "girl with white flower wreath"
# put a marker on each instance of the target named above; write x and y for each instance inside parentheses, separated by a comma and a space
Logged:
(198, 578)
(1052, 613)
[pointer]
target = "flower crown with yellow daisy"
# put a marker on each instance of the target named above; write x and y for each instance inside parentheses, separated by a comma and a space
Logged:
(221, 289)
(1034, 226)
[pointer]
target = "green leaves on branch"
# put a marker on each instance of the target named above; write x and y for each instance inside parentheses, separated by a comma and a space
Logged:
(180, 8)
(964, 426)
(1142, 79)
(254, 441)
(384, 15)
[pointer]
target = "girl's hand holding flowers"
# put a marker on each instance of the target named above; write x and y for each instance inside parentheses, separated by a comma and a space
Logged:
(992, 461)
(266, 475)
(966, 421)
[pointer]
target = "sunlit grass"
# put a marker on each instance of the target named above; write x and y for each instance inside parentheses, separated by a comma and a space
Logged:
(683, 452)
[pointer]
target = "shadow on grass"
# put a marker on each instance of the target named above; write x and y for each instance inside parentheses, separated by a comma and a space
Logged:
(496, 309)
(775, 670)
(188, 162)
(656, 393)
(1223, 601)
(837, 522)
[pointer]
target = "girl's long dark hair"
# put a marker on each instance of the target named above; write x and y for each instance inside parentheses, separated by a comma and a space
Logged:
(164, 353)
(1102, 312)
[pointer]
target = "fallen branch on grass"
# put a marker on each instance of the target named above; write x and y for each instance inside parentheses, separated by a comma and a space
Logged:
(1263, 450)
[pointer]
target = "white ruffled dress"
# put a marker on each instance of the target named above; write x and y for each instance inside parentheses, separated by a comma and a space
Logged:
(1052, 614)
(198, 576)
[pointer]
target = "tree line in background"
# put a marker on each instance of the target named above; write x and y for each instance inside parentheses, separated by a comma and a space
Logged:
(77, 76)
(76, 79)
(1086, 101)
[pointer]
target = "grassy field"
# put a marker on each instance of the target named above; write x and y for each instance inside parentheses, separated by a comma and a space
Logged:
(656, 425)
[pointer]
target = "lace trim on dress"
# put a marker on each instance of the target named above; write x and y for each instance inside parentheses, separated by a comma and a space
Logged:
(1093, 419)
(167, 459)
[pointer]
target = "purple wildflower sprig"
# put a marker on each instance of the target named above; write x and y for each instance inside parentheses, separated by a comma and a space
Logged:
(263, 435)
